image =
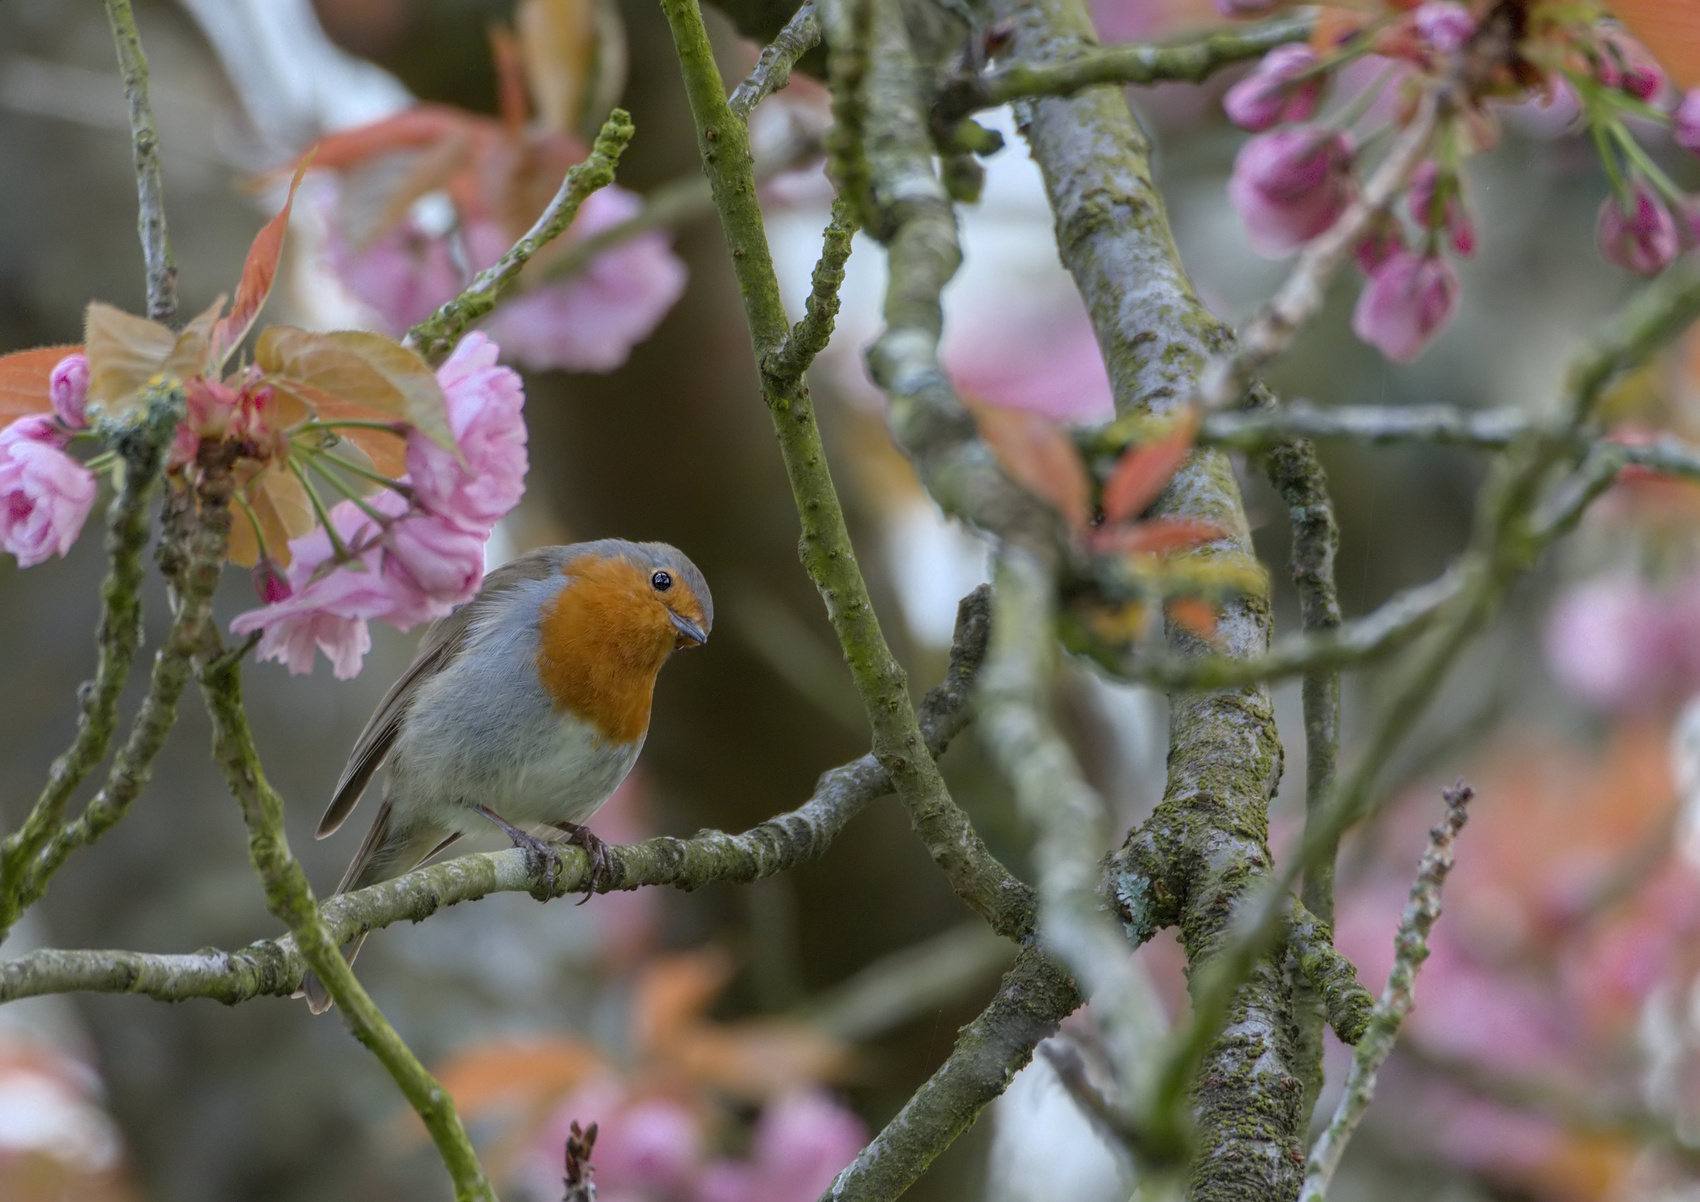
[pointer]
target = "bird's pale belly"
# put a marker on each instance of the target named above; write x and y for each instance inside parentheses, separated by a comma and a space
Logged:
(559, 769)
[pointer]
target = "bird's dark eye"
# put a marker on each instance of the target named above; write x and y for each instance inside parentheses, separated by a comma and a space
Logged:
(662, 581)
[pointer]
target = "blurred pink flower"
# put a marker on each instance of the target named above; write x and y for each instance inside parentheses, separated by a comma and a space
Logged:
(432, 557)
(1641, 238)
(45, 495)
(1272, 93)
(402, 275)
(801, 1142)
(654, 1144)
(1685, 121)
(1618, 644)
(485, 402)
(1624, 63)
(1452, 215)
(592, 321)
(68, 387)
(1406, 300)
(1246, 8)
(1384, 240)
(1289, 185)
(1446, 25)
(1046, 363)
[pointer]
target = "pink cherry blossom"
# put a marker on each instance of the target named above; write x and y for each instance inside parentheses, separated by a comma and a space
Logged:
(402, 276)
(329, 604)
(1643, 238)
(1452, 215)
(801, 1143)
(650, 1146)
(1290, 184)
(1617, 643)
(45, 495)
(68, 387)
(429, 555)
(474, 490)
(592, 321)
(1273, 93)
(1406, 301)
(1685, 121)
(1446, 25)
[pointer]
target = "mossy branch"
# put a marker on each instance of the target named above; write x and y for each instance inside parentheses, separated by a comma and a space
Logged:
(436, 336)
(772, 71)
(117, 638)
(828, 556)
(144, 145)
(1193, 60)
(274, 967)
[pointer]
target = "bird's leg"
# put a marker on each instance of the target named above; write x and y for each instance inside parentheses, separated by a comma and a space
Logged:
(540, 858)
(601, 859)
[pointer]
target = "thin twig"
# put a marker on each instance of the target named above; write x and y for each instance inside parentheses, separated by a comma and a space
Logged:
(772, 71)
(436, 335)
(144, 142)
(1193, 60)
(1346, 1003)
(117, 637)
(811, 333)
(828, 556)
(1410, 950)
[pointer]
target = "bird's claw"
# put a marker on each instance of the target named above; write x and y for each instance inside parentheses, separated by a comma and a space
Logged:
(595, 850)
(542, 861)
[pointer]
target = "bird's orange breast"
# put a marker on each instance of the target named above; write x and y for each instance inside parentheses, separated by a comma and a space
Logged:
(603, 639)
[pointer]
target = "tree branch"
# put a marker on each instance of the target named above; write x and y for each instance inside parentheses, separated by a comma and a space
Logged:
(827, 553)
(1193, 60)
(772, 71)
(144, 142)
(274, 967)
(436, 336)
(1032, 1001)
(1410, 950)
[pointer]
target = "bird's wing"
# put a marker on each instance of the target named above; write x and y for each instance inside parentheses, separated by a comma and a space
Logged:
(441, 644)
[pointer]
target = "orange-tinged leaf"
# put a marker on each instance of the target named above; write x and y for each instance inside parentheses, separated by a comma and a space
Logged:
(672, 992)
(189, 355)
(517, 1072)
(1037, 454)
(387, 452)
(284, 511)
(125, 352)
(511, 106)
(1193, 614)
(1670, 30)
(259, 272)
(377, 374)
(420, 126)
(1142, 472)
(1155, 537)
(1333, 26)
(759, 1059)
(24, 379)
(557, 43)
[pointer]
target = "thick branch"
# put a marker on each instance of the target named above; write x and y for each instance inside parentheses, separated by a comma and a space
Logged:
(273, 967)
(827, 553)
(437, 334)
(1410, 950)
(144, 142)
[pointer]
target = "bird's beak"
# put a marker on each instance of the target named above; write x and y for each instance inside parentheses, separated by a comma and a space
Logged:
(691, 634)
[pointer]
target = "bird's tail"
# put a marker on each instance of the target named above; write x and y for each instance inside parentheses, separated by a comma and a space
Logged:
(384, 853)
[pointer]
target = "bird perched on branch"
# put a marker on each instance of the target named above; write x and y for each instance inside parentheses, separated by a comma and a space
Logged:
(526, 707)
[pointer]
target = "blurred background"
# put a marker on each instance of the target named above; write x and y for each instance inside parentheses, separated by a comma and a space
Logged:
(740, 1043)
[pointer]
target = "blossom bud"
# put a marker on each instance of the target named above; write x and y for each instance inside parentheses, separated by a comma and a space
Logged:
(270, 583)
(1685, 122)
(1290, 184)
(1640, 236)
(1273, 93)
(68, 387)
(1437, 202)
(1404, 304)
(1445, 25)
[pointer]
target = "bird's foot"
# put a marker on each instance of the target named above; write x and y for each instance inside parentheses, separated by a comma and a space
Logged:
(601, 859)
(542, 861)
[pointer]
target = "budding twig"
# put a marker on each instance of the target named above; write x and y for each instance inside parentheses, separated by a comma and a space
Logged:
(144, 142)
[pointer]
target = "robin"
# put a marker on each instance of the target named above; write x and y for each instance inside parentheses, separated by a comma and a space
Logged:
(525, 707)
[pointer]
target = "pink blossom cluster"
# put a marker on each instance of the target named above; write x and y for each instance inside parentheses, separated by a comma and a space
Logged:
(653, 1149)
(589, 322)
(1620, 643)
(45, 494)
(409, 555)
(1295, 178)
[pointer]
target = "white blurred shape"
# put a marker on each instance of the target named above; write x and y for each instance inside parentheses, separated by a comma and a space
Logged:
(40, 1113)
(1685, 772)
(934, 563)
(1044, 1149)
(294, 82)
